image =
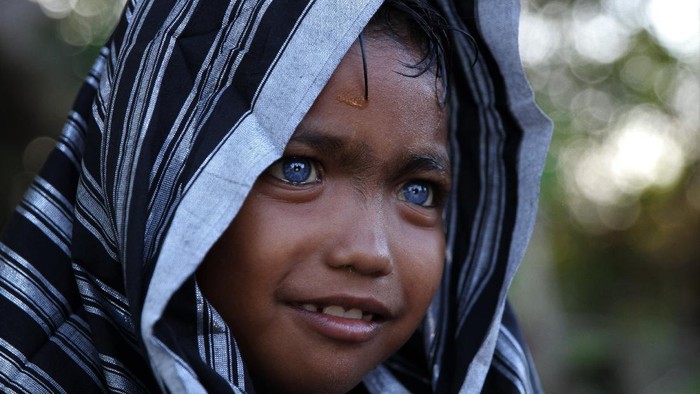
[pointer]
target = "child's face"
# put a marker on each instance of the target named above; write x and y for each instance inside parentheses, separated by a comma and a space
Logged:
(349, 222)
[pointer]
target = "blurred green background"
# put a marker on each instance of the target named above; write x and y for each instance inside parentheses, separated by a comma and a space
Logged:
(609, 292)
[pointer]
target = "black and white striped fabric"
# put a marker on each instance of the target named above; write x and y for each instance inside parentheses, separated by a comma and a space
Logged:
(187, 104)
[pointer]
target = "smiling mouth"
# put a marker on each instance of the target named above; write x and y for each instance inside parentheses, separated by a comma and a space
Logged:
(343, 319)
(339, 311)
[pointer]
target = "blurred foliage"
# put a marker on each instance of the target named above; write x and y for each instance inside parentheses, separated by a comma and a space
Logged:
(46, 49)
(608, 293)
(620, 205)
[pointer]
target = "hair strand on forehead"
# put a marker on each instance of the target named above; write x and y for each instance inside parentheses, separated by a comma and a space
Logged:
(364, 65)
(420, 24)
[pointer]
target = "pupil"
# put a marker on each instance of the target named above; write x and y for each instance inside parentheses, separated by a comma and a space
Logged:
(296, 170)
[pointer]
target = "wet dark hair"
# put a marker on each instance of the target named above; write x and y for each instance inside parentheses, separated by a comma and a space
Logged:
(419, 24)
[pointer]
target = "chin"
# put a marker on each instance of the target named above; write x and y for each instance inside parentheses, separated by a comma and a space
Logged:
(331, 378)
(320, 385)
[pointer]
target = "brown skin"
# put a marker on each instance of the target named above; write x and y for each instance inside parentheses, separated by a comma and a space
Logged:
(348, 236)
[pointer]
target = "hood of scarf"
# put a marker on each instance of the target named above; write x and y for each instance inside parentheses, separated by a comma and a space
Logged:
(97, 288)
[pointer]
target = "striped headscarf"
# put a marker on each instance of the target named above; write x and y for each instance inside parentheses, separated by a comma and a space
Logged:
(97, 289)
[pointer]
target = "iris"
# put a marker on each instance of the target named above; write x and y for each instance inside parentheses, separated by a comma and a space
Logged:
(417, 193)
(296, 170)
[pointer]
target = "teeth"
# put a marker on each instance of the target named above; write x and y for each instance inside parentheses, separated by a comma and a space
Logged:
(339, 311)
(334, 310)
(353, 313)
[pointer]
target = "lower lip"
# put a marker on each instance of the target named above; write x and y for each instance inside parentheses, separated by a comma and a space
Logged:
(339, 328)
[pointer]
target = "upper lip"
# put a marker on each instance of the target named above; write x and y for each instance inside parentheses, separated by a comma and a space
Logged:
(364, 303)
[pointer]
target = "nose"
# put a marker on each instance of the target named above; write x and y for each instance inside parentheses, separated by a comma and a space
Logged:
(361, 243)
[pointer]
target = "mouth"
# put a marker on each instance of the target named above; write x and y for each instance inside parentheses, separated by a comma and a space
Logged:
(341, 318)
(339, 311)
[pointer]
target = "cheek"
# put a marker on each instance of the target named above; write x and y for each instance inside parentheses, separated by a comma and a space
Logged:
(420, 265)
(271, 233)
(283, 235)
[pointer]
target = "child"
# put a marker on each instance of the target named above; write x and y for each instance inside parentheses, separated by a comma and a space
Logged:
(282, 197)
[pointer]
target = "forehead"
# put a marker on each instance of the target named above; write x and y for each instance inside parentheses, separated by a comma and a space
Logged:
(402, 110)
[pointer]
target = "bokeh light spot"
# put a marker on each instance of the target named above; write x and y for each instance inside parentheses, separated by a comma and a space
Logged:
(36, 152)
(675, 24)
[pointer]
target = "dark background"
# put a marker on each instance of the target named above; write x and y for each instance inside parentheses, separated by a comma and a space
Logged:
(609, 293)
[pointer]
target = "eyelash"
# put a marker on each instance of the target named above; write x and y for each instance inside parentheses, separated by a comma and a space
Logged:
(297, 170)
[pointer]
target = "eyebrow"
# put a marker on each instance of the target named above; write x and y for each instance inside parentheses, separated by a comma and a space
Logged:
(326, 145)
(359, 156)
(425, 163)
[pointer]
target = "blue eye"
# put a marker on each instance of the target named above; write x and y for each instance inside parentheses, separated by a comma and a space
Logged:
(295, 170)
(418, 193)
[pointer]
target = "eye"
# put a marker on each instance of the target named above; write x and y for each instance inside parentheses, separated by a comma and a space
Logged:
(295, 170)
(419, 193)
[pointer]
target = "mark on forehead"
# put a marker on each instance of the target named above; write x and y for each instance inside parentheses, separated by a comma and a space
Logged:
(353, 101)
